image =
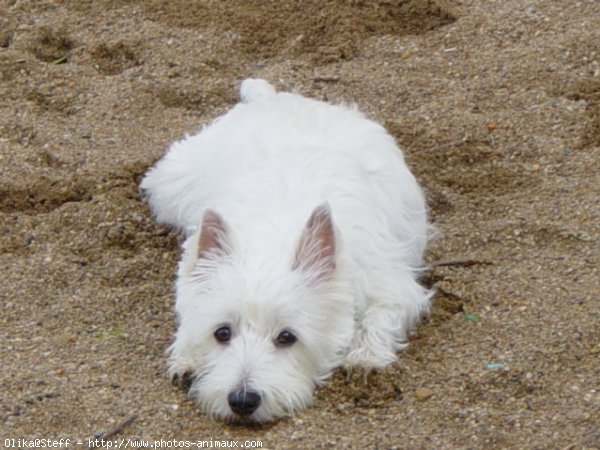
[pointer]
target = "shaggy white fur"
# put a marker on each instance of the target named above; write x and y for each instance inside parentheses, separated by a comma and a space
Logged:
(305, 234)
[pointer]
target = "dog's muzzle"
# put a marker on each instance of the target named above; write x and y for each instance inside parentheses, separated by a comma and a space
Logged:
(243, 403)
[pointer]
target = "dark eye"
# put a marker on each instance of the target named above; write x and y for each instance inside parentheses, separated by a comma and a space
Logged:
(285, 339)
(223, 334)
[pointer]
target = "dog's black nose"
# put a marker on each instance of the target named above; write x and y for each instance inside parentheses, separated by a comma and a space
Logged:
(243, 403)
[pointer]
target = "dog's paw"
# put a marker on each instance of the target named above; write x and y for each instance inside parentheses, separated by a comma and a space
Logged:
(183, 381)
(357, 372)
(369, 353)
(362, 358)
(180, 373)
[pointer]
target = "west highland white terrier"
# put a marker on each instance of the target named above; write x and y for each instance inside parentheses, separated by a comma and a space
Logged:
(305, 232)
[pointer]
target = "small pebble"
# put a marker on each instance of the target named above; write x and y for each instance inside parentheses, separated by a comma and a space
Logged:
(298, 422)
(491, 366)
(423, 394)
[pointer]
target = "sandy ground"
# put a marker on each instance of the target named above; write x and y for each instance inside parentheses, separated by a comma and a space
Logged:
(497, 106)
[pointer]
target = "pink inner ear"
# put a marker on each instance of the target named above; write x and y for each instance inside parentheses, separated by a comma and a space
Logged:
(213, 234)
(316, 250)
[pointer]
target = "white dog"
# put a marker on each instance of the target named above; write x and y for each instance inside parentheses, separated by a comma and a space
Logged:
(305, 232)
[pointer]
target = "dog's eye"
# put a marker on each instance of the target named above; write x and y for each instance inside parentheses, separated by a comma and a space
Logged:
(285, 339)
(223, 334)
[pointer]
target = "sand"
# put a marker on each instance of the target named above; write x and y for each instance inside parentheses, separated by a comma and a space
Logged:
(497, 108)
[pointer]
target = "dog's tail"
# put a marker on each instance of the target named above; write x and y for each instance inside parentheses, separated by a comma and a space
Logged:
(253, 89)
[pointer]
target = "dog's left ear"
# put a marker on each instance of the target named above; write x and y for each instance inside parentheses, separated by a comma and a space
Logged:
(316, 249)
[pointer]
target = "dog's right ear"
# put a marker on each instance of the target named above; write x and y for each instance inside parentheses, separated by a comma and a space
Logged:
(213, 235)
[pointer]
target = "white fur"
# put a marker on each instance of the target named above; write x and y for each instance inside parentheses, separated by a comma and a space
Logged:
(264, 167)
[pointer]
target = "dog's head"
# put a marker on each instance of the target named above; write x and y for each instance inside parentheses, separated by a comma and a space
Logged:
(257, 334)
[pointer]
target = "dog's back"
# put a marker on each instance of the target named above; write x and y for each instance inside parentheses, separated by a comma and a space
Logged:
(274, 157)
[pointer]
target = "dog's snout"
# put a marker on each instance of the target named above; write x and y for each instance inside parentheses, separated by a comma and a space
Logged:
(243, 403)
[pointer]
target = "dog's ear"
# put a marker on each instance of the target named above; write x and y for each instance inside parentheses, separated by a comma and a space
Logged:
(316, 249)
(213, 235)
